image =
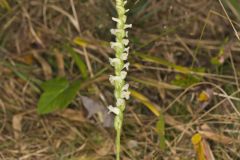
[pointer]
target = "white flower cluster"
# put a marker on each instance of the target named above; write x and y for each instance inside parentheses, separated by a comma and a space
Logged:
(121, 49)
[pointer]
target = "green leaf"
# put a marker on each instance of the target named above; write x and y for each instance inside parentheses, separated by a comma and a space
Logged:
(161, 131)
(58, 94)
(185, 80)
(79, 62)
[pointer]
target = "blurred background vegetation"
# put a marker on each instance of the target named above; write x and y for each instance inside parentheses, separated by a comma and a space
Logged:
(184, 79)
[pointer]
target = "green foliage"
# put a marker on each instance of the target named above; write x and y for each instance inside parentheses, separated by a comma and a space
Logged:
(185, 80)
(161, 131)
(58, 94)
(79, 62)
(215, 61)
(220, 57)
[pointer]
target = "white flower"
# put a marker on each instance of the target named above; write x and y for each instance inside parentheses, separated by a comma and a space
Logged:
(126, 33)
(127, 49)
(127, 26)
(119, 78)
(116, 19)
(114, 31)
(114, 61)
(126, 65)
(125, 87)
(123, 74)
(124, 56)
(125, 42)
(125, 94)
(114, 110)
(121, 48)
(115, 45)
(113, 79)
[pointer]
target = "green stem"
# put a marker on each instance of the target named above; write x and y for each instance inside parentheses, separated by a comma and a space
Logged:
(118, 144)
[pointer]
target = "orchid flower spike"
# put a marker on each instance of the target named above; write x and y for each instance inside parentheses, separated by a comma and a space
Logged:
(121, 66)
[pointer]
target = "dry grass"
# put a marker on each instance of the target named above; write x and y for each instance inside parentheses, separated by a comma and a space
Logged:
(169, 38)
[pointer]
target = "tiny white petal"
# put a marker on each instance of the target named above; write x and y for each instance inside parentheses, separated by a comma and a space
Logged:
(124, 56)
(126, 49)
(125, 41)
(127, 10)
(114, 61)
(126, 65)
(113, 31)
(115, 19)
(126, 34)
(114, 110)
(125, 94)
(111, 79)
(125, 87)
(127, 26)
(123, 74)
(112, 45)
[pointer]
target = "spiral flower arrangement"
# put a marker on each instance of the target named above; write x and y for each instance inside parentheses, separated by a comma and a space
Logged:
(121, 66)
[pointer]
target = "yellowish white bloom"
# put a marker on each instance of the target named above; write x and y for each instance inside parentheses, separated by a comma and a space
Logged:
(114, 110)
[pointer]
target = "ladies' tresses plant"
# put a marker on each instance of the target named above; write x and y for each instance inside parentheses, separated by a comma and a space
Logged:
(120, 65)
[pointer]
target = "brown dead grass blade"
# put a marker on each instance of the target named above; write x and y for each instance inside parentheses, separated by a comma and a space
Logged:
(47, 70)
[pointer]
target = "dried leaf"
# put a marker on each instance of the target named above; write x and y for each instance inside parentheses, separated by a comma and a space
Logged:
(17, 125)
(106, 147)
(95, 107)
(47, 70)
(71, 18)
(27, 59)
(60, 63)
(72, 115)
(217, 137)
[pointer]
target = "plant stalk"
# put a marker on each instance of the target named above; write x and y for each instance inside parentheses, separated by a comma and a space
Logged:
(120, 65)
